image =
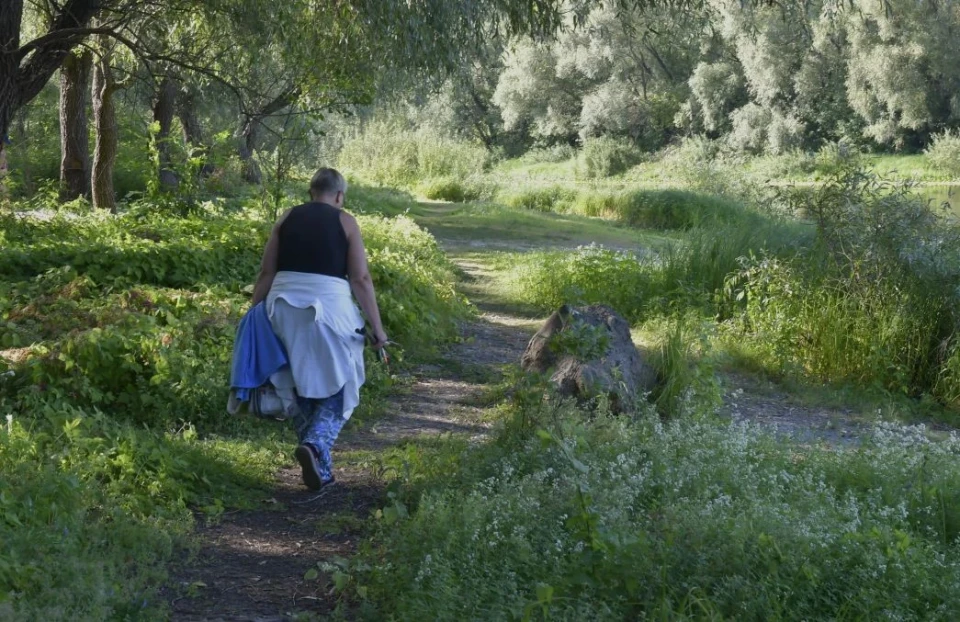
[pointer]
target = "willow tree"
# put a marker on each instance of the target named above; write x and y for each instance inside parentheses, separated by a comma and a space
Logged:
(424, 35)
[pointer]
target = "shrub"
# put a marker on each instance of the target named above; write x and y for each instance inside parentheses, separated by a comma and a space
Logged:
(749, 132)
(551, 199)
(944, 152)
(453, 190)
(605, 156)
(785, 134)
(835, 158)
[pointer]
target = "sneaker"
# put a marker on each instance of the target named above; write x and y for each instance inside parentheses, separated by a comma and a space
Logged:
(310, 465)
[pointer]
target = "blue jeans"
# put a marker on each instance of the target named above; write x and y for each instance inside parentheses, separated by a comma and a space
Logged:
(318, 425)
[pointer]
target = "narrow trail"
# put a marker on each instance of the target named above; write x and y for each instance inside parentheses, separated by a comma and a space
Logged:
(251, 565)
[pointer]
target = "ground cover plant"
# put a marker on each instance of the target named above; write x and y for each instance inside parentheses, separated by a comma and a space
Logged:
(117, 333)
(563, 516)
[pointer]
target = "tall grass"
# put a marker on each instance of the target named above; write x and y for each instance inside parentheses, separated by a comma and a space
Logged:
(661, 209)
(387, 153)
(874, 302)
(690, 272)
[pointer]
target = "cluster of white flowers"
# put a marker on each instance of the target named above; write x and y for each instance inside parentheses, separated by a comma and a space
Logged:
(704, 493)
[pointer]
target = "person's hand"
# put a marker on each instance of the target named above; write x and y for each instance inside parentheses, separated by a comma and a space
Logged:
(380, 339)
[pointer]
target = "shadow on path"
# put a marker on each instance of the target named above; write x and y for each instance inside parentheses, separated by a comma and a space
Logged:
(251, 566)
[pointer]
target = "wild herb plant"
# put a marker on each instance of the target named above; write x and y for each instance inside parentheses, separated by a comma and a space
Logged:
(617, 518)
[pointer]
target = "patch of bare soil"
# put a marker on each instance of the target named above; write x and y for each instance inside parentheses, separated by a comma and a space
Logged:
(749, 399)
(251, 565)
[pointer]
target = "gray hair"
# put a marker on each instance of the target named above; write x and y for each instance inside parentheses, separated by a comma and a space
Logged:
(327, 180)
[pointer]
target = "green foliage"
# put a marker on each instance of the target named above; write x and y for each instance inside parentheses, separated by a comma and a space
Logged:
(587, 275)
(551, 199)
(554, 153)
(373, 200)
(605, 156)
(944, 152)
(875, 302)
(665, 209)
(689, 272)
(116, 335)
(688, 385)
(581, 340)
(92, 509)
(453, 190)
(388, 154)
(415, 282)
(616, 519)
(136, 248)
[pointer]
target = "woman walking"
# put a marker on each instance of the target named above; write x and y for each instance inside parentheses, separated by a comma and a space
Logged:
(312, 262)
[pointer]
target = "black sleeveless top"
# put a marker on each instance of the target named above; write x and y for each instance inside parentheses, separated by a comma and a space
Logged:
(312, 240)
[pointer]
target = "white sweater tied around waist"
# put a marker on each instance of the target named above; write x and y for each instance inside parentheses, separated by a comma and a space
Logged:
(316, 319)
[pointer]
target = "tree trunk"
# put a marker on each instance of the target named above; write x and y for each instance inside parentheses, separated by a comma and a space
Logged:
(163, 111)
(192, 130)
(10, 19)
(20, 137)
(105, 126)
(248, 144)
(74, 130)
(24, 70)
(250, 131)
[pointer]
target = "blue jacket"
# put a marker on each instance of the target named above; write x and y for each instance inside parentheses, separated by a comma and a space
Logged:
(257, 353)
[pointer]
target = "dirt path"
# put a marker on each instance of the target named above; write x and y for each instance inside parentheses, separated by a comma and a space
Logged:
(251, 565)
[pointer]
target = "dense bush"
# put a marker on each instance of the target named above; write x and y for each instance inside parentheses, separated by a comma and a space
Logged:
(944, 152)
(614, 519)
(386, 154)
(605, 156)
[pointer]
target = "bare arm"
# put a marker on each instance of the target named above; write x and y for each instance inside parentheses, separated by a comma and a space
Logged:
(268, 265)
(360, 281)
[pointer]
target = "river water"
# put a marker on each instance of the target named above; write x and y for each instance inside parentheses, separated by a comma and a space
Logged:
(940, 194)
